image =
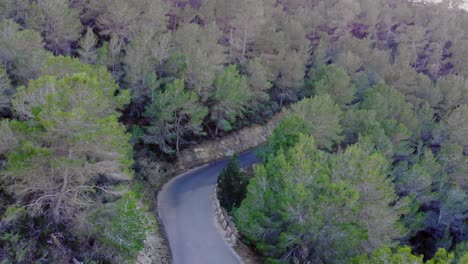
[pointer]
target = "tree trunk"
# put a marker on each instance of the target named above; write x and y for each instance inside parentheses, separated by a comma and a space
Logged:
(230, 44)
(244, 44)
(177, 124)
(58, 205)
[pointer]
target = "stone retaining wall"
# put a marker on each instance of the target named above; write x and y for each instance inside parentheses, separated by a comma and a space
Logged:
(237, 142)
(224, 220)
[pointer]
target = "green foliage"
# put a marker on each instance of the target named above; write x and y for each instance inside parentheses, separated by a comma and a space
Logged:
(258, 80)
(21, 159)
(137, 134)
(457, 126)
(385, 118)
(59, 24)
(173, 113)
(302, 204)
(232, 184)
(285, 135)
(322, 116)
(127, 228)
(441, 257)
(5, 88)
(385, 255)
(454, 91)
(230, 98)
(419, 178)
(21, 51)
(294, 209)
(69, 138)
(335, 82)
(203, 55)
(461, 253)
(62, 66)
(395, 76)
(369, 172)
(20, 249)
(176, 64)
(87, 51)
(402, 255)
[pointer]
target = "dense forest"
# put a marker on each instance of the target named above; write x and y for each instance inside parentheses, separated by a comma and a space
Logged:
(370, 163)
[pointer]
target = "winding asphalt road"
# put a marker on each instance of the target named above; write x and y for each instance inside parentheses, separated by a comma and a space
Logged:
(186, 212)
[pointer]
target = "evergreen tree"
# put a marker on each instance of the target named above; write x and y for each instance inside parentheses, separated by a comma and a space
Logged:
(21, 51)
(173, 113)
(232, 184)
(5, 89)
(110, 55)
(454, 91)
(59, 24)
(258, 80)
(335, 82)
(396, 117)
(139, 67)
(61, 66)
(203, 55)
(125, 19)
(286, 135)
(295, 211)
(126, 229)
(230, 98)
(323, 116)
(380, 208)
(402, 255)
(457, 126)
(84, 141)
(87, 51)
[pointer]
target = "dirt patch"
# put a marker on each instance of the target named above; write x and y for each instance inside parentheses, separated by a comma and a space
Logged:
(155, 251)
(248, 255)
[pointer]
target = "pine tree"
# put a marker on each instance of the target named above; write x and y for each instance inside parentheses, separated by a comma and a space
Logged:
(380, 208)
(87, 51)
(230, 98)
(395, 115)
(248, 20)
(259, 80)
(454, 91)
(139, 66)
(5, 89)
(402, 255)
(22, 52)
(286, 135)
(232, 184)
(323, 116)
(125, 19)
(173, 113)
(203, 55)
(335, 82)
(110, 55)
(69, 137)
(59, 24)
(295, 210)
(457, 126)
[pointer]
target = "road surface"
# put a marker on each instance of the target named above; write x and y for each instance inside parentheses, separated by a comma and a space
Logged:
(187, 215)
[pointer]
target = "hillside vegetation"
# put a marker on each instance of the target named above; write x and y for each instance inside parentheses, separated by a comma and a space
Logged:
(369, 163)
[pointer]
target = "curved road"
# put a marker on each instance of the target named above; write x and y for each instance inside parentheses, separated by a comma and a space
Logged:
(186, 212)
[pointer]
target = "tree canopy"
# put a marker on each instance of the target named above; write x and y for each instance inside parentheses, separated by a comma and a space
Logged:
(370, 158)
